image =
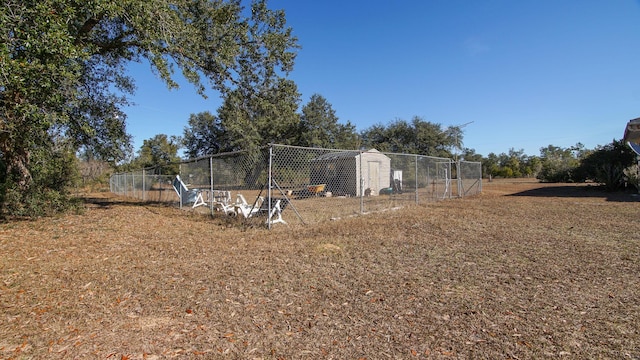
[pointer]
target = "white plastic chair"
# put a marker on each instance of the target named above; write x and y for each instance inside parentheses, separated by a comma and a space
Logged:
(221, 201)
(274, 215)
(247, 210)
(187, 196)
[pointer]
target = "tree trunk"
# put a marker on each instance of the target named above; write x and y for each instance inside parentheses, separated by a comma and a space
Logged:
(17, 163)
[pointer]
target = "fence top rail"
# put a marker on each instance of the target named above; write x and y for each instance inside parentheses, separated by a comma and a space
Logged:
(420, 156)
(361, 151)
(312, 148)
(224, 154)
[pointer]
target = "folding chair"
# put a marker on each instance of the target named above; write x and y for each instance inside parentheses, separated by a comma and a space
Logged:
(261, 207)
(187, 196)
(276, 210)
(243, 208)
(221, 201)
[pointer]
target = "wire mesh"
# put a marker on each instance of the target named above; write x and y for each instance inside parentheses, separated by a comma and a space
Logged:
(327, 183)
(320, 184)
(315, 184)
(144, 185)
(470, 177)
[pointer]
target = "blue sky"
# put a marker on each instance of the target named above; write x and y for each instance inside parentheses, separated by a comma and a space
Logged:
(528, 73)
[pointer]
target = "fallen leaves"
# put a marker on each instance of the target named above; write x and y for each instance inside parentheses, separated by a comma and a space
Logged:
(460, 277)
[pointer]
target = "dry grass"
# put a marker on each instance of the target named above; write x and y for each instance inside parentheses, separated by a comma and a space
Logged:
(554, 272)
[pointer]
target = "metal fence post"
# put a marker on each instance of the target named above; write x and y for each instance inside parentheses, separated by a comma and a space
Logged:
(211, 182)
(144, 188)
(417, 200)
(459, 178)
(179, 172)
(361, 185)
(269, 188)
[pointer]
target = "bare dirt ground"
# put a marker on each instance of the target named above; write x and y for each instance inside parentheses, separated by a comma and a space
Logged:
(524, 270)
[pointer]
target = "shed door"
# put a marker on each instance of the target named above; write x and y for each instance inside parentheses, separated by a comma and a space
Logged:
(374, 176)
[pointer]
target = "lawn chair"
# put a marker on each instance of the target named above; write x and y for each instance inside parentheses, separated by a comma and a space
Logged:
(261, 207)
(187, 196)
(277, 207)
(245, 209)
(221, 201)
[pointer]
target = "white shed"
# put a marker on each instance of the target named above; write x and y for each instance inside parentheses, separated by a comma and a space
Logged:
(352, 173)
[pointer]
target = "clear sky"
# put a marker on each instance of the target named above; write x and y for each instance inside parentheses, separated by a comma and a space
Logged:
(528, 73)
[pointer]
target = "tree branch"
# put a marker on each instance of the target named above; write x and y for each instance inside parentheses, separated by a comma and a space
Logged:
(87, 27)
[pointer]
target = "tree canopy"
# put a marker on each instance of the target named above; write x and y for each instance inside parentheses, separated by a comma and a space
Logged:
(319, 127)
(254, 115)
(63, 62)
(204, 135)
(558, 163)
(160, 151)
(415, 137)
(246, 122)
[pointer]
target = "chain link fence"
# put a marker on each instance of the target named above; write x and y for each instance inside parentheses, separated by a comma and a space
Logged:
(469, 179)
(145, 184)
(289, 184)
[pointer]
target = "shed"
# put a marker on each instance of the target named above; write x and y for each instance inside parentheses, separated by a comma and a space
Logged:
(352, 173)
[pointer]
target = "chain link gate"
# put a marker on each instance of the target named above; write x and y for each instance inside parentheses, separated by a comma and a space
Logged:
(469, 178)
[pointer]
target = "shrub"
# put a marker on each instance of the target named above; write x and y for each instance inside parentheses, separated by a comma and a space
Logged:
(606, 165)
(53, 173)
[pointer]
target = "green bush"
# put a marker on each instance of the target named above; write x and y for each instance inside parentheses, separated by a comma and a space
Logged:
(552, 173)
(606, 165)
(53, 174)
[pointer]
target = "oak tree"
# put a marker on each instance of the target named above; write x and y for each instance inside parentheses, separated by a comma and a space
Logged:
(63, 67)
(203, 136)
(415, 137)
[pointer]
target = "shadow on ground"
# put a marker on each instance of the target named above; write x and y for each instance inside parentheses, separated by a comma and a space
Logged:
(580, 192)
(106, 203)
